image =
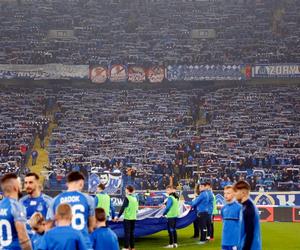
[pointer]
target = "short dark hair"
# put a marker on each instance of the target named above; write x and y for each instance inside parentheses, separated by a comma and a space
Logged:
(207, 183)
(242, 185)
(101, 186)
(7, 177)
(100, 214)
(130, 188)
(36, 176)
(75, 176)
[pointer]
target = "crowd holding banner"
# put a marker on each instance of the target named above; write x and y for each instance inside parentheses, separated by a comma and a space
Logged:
(156, 74)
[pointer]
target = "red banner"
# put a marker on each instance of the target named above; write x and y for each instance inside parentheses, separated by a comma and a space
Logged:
(266, 213)
(296, 214)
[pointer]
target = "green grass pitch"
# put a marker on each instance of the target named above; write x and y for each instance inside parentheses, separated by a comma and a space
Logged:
(276, 236)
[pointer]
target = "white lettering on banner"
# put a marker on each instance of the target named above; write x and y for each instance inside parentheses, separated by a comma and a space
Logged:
(276, 71)
(116, 201)
(285, 70)
(115, 181)
(46, 71)
(285, 200)
(273, 70)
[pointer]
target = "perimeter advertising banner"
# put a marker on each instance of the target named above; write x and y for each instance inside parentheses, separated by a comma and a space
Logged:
(98, 74)
(136, 74)
(205, 72)
(45, 71)
(288, 199)
(118, 73)
(276, 71)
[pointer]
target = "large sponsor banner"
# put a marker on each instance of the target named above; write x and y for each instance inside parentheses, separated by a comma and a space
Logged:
(118, 73)
(276, 71)
(136, 74)
(289, 199)
(204, 72)
(98, 74)
(156, 74)
(45, 71)
(112, 182)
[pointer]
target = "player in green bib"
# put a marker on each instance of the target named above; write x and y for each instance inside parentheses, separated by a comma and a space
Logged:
(130, 209)
(103, 200)
(172, 212)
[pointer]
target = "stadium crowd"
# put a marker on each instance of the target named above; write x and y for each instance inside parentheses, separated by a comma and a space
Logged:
(22, 117)
(159, 137)
(155, 139)
(147, 32)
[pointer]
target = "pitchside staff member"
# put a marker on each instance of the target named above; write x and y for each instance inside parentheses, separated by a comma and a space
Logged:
(250, 230)
(103, 200)
(130, 208)
(172, 212)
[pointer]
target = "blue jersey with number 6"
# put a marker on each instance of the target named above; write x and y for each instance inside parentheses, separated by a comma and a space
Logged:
(10, 212)
(82, 208)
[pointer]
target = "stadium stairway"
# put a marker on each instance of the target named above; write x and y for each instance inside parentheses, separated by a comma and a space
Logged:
(43, 159)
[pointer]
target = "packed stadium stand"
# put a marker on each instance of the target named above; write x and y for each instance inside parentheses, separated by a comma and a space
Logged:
(153, 137)
(159, 136)
(149, 32)
(21, 119)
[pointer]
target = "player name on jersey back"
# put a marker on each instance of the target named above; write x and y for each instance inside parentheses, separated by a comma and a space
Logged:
(3, 212)
(66, 199)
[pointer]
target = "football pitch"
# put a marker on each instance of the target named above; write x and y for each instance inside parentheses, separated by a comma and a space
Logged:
(275, 236)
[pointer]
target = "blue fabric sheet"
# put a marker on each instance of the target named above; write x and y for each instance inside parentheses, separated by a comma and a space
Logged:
(150, 221)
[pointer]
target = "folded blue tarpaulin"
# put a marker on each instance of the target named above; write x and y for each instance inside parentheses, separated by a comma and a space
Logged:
(150, 221)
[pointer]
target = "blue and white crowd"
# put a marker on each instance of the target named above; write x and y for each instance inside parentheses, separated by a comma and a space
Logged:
(149, 32)
(178, 137)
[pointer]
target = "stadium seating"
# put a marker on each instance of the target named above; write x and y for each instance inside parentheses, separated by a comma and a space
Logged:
(147, 32)
(21, 118)
(154, 138)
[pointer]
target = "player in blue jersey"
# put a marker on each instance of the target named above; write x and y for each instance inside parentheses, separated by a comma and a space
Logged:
(103, 237)
(232, 219)
(35, 200)
(201, 206)
(82, 206)
(250, 238)
(63, 236)
(13, 235)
